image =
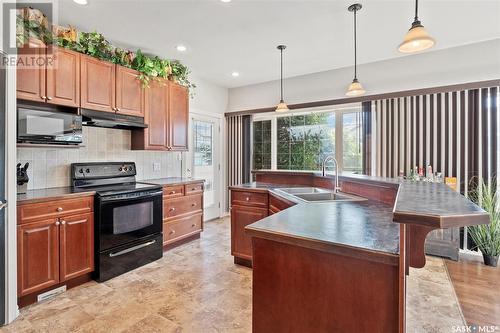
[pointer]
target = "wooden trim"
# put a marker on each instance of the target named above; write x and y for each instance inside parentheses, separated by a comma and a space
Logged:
(397, 94)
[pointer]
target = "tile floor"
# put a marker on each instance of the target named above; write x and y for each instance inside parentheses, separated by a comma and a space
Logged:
(197, 288)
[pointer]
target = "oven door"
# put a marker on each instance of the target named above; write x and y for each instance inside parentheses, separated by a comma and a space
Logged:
(127, 218)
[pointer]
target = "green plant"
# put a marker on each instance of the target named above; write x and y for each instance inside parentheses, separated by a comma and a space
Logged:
(487, 236)
(180, 74)
(31, 29)
(95, 45)
(122, 57)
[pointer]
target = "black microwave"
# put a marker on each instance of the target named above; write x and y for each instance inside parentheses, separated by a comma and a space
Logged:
(48, 125)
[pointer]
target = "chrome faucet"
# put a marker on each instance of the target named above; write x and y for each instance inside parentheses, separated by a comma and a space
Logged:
(332, 158)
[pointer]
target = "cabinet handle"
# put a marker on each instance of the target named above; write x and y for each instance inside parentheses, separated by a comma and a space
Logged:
(43, 97)
(49, 98)
(118, 109)
(172, 232)
(247, 198)
(172, 192)
(193, 225)
(172, 209)
(193, 189)
(59, 209)
(63, 222)
(193, 204)
(57, 223)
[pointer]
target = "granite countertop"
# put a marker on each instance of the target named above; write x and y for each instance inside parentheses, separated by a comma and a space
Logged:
(368, 225)
(173, 181)
(49, 194)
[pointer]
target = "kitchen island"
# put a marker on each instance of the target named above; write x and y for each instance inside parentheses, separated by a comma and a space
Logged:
(338, 266)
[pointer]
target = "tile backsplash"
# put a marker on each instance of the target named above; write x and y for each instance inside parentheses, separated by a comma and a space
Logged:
(50, 167)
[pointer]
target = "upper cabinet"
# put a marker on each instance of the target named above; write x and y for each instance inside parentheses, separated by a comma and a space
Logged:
(129, 92)
(98, 84)
(167, 115)
(56, 80)
(178, 116)
(111, 88)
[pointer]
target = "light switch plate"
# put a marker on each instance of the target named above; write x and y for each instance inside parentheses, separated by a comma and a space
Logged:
(156, 167)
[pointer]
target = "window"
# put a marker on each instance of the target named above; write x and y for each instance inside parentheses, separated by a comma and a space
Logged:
(202, 143)
(261, 156)
(301, 141)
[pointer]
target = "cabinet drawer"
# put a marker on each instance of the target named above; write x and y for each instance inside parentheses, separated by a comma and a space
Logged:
(43, 210)
(181, 228)
(177, 207)
(193, 188)
(173, 191)
(249, 198)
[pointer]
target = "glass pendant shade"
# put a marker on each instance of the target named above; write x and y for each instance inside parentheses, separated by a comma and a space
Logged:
(282, 107)
(355, 89)
(416, 39)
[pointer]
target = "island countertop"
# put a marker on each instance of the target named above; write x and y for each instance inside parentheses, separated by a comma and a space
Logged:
(368, 226)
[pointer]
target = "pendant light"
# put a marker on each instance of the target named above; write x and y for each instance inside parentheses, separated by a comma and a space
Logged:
(417, 38)
(355, 88)
(281, 107)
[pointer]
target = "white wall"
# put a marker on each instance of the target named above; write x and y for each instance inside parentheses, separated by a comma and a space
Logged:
(208, 97)
(469, 63)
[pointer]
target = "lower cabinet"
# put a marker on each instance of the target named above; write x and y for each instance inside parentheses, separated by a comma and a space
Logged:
(182, 212)
(37, 256)
(241, 216)
(55, 249)
(76, 246)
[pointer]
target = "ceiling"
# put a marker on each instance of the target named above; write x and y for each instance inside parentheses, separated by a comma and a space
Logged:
(242, 35)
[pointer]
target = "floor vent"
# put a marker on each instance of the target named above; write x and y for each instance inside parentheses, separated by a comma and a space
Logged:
(51, 293)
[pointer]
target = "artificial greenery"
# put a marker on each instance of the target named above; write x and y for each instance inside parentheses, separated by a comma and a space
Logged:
(486, 236)
(95, 45)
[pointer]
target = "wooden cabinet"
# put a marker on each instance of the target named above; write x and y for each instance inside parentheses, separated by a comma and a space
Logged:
(167, 115)
(247, 207)
(182, 212)
(55, 243)
(277, 204)
(155, 137)
(97, 84)
(129, 92)
(37, 256)
(241, 216)
(54, 80)
(178, 116)
(63, 78)
(76, 245)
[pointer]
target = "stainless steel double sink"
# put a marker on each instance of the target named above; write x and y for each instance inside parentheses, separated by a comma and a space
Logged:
(316, 194)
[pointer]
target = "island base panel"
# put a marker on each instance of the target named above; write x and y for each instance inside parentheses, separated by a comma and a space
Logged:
(296, 289)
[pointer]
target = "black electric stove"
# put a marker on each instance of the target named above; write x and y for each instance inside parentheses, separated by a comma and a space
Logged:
(128, 216)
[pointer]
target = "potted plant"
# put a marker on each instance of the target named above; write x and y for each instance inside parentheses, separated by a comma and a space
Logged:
(487, 236)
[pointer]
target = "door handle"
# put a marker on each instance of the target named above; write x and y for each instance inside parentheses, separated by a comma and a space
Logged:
(3, 204)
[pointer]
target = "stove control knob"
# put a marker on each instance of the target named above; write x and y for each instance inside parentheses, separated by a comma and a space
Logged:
(120, 169)
(80, 171)
(87, 171)
(125, 169)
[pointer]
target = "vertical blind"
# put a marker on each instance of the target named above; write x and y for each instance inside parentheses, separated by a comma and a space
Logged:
(455, 132)
(238, 151)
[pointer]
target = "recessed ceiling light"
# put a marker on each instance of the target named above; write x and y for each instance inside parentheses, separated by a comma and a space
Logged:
(225, 1)
(181, 48)
(81, 2)
(235, 74)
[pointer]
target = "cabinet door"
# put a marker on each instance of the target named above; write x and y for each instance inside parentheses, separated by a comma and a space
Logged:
(156, 116)
(63, 77)
(97, 84)
(129, 92)
(241, 243)
(37, 256)
(178, 115)
(77, 245)
(31, 74)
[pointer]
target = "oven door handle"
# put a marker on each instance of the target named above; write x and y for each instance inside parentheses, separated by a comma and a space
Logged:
(150, 195)
(133, 248)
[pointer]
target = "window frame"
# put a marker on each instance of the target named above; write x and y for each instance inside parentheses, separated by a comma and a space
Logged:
(273, 116)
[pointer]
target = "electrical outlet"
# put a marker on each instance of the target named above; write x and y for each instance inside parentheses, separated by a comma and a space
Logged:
(156, 167)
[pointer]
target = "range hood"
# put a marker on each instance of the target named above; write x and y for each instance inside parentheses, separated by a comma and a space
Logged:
(111, 120)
